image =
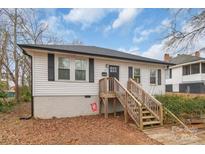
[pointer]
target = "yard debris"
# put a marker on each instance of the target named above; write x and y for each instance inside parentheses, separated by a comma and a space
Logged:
(78, 130)
(183, 134)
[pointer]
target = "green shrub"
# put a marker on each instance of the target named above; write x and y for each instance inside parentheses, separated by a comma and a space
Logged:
(25, 94)
(183, 106)
(3, 94)
(6, 107)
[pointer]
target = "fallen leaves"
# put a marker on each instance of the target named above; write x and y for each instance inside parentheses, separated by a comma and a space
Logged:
(77, 130)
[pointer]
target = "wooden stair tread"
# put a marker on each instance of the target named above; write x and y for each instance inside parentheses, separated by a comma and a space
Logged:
(148, 117)
(151, 122)
(145, 111)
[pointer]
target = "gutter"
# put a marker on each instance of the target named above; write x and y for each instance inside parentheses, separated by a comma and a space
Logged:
(32, 104)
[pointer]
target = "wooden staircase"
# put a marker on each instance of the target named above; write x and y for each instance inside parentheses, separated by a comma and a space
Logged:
(148, 119)
(152, 109)
(141, 107)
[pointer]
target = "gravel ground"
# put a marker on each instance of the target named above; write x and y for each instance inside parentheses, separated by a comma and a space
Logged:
(78, 130)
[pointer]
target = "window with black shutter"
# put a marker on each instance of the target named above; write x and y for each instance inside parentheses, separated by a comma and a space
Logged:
(136, 76)
(63, 68)
(130, 72)
(153, 75)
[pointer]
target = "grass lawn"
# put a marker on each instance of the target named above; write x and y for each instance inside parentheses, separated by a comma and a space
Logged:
(78, 130)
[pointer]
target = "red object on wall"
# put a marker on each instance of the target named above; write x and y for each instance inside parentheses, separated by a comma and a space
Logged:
(94, 107)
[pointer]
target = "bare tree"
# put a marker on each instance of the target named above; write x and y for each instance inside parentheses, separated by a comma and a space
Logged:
(21, 26)
(4, 57)
(184, 38)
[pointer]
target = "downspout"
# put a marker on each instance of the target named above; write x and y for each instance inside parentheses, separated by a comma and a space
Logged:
(32, 104)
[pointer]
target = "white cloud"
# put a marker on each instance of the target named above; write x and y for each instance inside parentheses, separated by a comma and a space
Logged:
(155, 51)
(132, 50)
(107, 29)
(141, 35)
(55, 27)
(86, 17)
(125, 16)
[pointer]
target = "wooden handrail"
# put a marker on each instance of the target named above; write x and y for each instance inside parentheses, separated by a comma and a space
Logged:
(128, 92)
(153, 105)
(177, 119)
(138, 85)
(130, 104)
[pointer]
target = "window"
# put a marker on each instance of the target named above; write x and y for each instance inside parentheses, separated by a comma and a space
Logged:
(168, 73)
(195, 68)
(153, 77)
(63, 68)
(80, 69)
(186, 70)
(137, 75)
(203, 67)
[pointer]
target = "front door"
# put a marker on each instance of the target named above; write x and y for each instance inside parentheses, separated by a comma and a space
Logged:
(113, 72)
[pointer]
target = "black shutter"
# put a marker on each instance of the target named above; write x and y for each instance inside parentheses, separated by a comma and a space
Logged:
(159, 77)
(51, 67)
(130, 72)
(91, 70)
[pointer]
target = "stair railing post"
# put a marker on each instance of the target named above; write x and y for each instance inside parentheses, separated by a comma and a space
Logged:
(106, 85)
(125, 110)
(140, 116)
(161, 115)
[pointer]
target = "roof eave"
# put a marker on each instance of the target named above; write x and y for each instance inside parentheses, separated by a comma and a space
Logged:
(22, 46)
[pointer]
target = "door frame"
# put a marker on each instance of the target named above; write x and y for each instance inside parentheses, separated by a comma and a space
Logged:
(118, 68)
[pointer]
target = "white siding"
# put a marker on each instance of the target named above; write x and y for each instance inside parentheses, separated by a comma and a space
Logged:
(178, 78)
(192, 78)
(43, 87)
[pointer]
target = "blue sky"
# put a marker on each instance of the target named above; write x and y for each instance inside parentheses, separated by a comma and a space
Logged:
(137, 31)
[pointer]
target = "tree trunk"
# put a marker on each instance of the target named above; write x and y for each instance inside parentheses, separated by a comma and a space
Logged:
(4, 58)
(15, 57)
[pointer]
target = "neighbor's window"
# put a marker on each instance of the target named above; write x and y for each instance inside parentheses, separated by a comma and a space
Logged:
(137, 75)
(195, 68)
(153, 76)
(80, 69)
(168, 73)
(63, 68)
(186, 70)
(203, 67)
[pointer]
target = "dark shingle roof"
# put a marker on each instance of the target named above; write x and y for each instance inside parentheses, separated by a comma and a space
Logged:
(93, 50)
(180, 59)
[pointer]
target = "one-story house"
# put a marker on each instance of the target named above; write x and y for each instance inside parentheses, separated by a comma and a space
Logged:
(65, 78)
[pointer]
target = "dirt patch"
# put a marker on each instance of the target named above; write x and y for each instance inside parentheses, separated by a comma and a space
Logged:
(78, 130)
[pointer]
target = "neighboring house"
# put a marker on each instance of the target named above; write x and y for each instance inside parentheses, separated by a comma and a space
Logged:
(66, 77)
(187, 75)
